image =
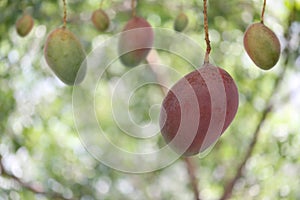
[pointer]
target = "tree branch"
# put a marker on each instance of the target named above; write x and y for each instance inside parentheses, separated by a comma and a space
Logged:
(229, 187)
(192, 174)
(19, 181)
(34, 188)
(268, 108)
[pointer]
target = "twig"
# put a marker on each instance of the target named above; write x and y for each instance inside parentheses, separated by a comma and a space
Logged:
(28, 186)
(263, 12)
(192, 174)
(18, 180)
(229, 187)
(208, 47)
(153, 60)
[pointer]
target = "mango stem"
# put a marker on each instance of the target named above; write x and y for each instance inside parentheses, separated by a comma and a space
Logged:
(65, 14)
(263, 12)
(101, 4)
(208, 47)
(133, 8)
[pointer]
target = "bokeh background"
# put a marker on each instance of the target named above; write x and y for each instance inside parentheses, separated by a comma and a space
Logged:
(42, 156)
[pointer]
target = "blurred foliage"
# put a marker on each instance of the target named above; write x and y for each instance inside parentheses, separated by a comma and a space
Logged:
(38, 140)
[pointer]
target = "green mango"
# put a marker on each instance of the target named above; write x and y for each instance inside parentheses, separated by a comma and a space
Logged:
(24, 25)
(262, 45)
(135, 41)
(65, 56)
(181, 22)
(100, 20)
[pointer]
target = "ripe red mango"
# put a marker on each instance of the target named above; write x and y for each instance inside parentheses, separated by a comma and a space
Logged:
(135, 41)
(24, 25)
(65, 55)
(198, 109)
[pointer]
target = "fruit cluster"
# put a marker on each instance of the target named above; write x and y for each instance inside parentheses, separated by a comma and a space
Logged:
(199, 107)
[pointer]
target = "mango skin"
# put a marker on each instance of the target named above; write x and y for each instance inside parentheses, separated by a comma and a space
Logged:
(100, 20)
(65, 55)
(135, 41)
(262, 45)
(24, 25)
(190, 103)
(181, 22)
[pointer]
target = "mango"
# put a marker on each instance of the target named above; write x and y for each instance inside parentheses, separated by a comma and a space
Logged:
(135, 41)
(65, 56)
(198, 109)
(262, 45)
(24, 25)
(181, 22)
(100, 20)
